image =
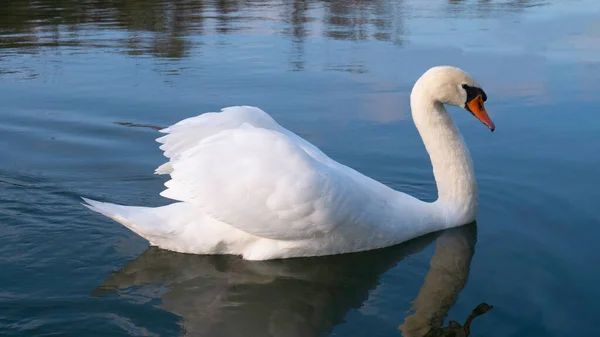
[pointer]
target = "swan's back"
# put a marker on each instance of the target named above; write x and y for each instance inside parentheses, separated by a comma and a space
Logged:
(189, 132)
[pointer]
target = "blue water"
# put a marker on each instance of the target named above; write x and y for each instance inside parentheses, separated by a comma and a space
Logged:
(84, 85)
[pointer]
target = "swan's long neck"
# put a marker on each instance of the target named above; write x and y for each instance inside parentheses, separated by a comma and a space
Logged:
(450, 158)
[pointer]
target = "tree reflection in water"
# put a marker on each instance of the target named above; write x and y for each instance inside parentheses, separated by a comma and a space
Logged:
(164, 28)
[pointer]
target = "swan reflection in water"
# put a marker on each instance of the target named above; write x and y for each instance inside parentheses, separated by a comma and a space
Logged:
(228, 296)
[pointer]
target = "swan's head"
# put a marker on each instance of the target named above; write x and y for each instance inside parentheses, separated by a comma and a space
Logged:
(453, 86)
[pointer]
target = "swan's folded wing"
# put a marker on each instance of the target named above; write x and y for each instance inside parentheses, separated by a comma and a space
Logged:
(190, 131)
(262, 182)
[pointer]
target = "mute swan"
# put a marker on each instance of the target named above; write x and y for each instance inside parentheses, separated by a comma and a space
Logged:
(247, 186)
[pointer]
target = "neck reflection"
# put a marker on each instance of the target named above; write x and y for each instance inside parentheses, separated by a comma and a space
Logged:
(447, 276)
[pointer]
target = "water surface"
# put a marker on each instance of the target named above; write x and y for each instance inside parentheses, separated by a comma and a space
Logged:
(77, 77)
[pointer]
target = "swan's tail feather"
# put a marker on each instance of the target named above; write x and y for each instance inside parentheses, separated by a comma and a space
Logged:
(144, 221)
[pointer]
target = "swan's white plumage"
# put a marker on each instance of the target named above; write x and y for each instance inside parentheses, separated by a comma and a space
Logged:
(245, 185)
(278, 191)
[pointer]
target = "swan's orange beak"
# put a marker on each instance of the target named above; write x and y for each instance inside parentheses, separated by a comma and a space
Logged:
(476, 107)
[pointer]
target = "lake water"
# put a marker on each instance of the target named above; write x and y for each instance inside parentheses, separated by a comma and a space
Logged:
(79, 80)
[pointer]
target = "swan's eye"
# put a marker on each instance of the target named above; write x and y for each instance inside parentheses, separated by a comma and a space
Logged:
(473, 92)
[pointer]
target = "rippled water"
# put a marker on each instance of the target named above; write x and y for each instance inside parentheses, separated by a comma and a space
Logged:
(77, 77)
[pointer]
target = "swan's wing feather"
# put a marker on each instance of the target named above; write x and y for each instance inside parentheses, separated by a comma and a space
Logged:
(262, 182)
(190, 131)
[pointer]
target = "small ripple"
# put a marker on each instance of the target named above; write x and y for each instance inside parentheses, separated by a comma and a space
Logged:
(128, 326)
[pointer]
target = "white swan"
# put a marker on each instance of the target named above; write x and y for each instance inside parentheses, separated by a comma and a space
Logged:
(247, 186)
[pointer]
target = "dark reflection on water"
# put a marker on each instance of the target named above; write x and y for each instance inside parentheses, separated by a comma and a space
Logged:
(228, 296)
(176, 29)
(162, 28)
(448, 273)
